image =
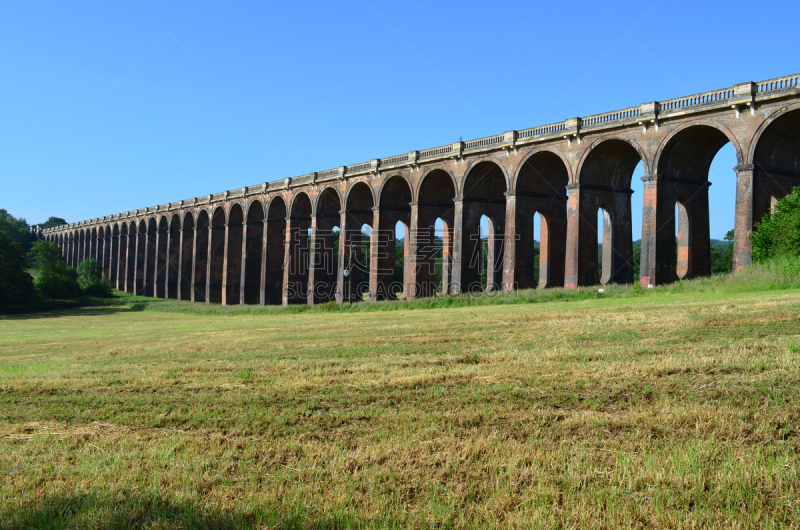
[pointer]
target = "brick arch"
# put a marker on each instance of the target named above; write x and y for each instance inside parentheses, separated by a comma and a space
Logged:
(751, 152)
(273, 202)
(538, 153)
(322, 192)
(605, 140)
(418, 188)
(240, 202)
(261, 202)
(478, 161)
(359, 183)
(683, 129)
(388, 178)
(295, 201)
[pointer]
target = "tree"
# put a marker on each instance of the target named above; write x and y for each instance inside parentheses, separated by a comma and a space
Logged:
(91, 279)
(52, 222)
(17, 229)
(778, 233)
(722, 263)
(56, 280)
(16, 285)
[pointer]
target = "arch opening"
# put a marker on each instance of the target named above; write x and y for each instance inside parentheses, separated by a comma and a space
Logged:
(540, 195)
(201, 257)
(325, 251)
(173, 257)
(296, 288)
(483, 197)
(107, 251)
(355, 249)
(140, 252)
(274, 251)
(677, 242)
(150, 273)
(443, 252)
(124, 279)
(605, 238)
(253, 242)
(394, 208)
(605, 183)
(216, 256)
(114, 258)
(232, 283)
(776, 172)
(100, 251)
(432, 245)
(185, 290)
(161, 265)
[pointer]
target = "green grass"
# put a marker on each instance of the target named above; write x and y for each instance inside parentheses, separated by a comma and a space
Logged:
(674, 407)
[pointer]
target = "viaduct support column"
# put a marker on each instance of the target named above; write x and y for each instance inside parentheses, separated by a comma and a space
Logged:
(374, 246)
(262, 291)
(209, 258)
(743, 223)
(158, 264)
(136, 249)
(413, 287)
(572, 275)
(657, 265)
(313, 257)
(180, 263)
(122, 250)
(225, 260)
(510, 243)
(168, 262)
(243, 268)
(193, 280)
(344, 240)
(458, 231)
(287, 252)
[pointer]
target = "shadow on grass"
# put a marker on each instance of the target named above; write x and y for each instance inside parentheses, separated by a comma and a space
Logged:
(72, 312)
(93, 511)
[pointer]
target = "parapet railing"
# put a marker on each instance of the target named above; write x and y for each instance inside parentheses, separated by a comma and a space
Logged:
(779, 83)
(740, 94)
(607, 117)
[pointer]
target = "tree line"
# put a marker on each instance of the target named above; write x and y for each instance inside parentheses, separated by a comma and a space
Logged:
(34, 270)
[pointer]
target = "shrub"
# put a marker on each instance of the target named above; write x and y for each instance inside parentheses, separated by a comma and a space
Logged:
(56, 281)
(91, 279)
(16, 285)
(778, 233)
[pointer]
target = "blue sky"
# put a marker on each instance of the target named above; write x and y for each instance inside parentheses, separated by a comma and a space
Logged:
(252, 92)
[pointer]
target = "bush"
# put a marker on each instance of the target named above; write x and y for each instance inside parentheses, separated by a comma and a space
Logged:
(778, 233)
(16, 285)
(56, 281)
(91, 279)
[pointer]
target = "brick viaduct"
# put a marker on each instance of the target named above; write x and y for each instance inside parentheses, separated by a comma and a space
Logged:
(272, 243)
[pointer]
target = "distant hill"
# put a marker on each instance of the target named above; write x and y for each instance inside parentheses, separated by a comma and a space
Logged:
(722, 246)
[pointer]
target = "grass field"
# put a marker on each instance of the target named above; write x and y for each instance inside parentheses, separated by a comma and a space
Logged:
(678, 409)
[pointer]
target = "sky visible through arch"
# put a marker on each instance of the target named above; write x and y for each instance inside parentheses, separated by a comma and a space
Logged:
(111, 106)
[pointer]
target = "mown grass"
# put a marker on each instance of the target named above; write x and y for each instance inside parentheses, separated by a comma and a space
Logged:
(674, 407)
